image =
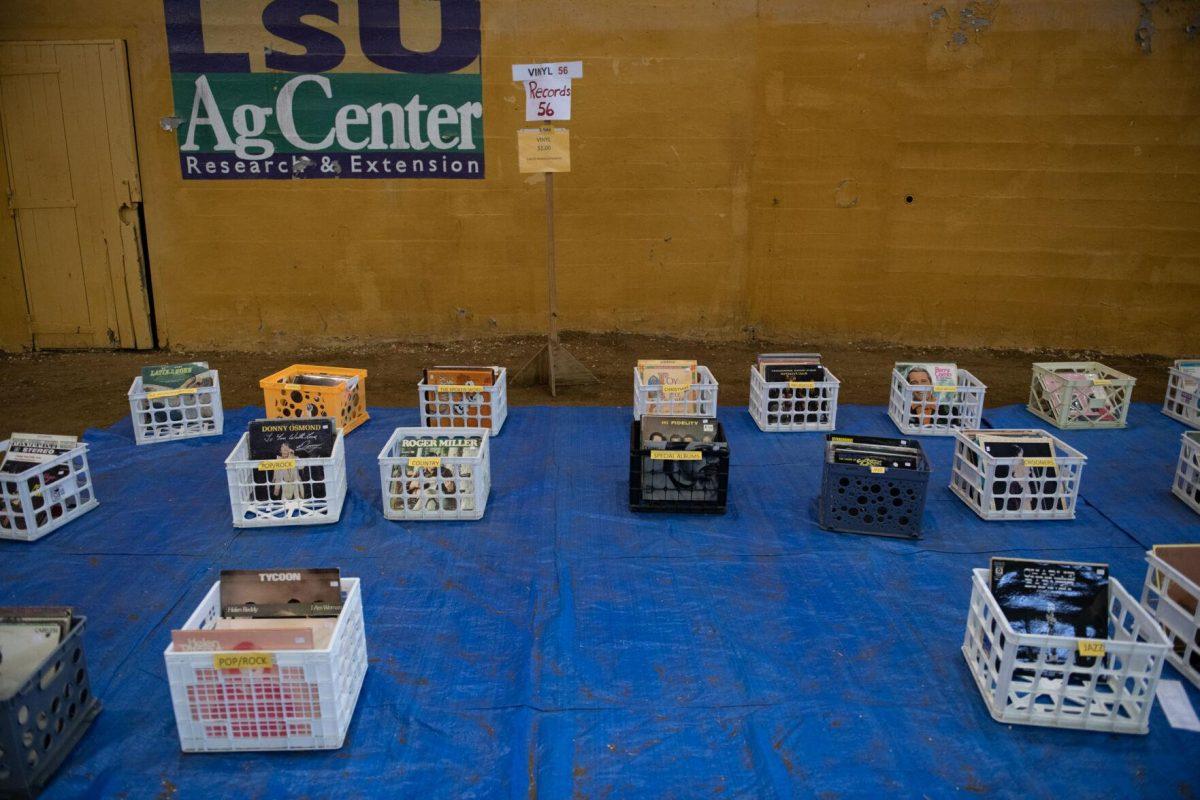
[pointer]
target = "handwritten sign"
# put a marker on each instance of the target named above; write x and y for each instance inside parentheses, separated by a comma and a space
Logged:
(547, 89)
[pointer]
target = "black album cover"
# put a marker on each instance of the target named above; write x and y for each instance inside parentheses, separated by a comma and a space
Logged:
(1052, 598)
(276, 439)
(877, 457)
(886, 441)
(292, 438)
(779, 373)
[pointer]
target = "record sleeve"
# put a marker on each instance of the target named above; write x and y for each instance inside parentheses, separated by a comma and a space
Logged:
(1184, 558)
(460, 376)
(28, 450)
(24, 647)
(28, 636)
(1052, 598)
(876, 457)
(667, 372)
(885, 441)
(243, 638)
(780, 372)
(311, 437)
(165, 377)
(444, 446)
(690, 433)
(281, 593)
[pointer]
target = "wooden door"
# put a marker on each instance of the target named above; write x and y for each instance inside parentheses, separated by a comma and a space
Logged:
(74, 192)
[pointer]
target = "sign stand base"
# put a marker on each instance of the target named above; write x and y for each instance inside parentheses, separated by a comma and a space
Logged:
(552, 365)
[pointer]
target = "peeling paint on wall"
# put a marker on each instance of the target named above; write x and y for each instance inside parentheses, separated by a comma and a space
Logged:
(846, 194)
(1144, 33)
(973, 18)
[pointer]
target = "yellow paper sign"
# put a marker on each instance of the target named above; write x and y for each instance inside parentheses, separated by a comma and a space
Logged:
(425, 461)
(1091, 647)
(945, 388)
(802, 384)
(1101, 382)
(278, 463)
(169, 393)
(878, 470)
(676, 455)
(458, 387)
(1039, 461)
(544, 149)
(676, 388)
(840, 439)
(243, 660)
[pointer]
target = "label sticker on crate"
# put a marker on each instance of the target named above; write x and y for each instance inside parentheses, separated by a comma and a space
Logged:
(425, 461)
(878, 470)
(676, 455)
(243, 660)
(274, 464)
(802, 384)
(459, 387)
(841, 439)
(169, 393)
(1039, 461)
(1091, 647)
(676, 388)
(946, 388)
(1101, 382)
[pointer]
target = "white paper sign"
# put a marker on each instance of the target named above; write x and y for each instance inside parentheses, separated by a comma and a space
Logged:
(547, 99)
(1175, 704)
(554, 69)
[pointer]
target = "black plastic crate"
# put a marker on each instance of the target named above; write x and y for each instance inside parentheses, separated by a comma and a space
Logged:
(41, 724)
(687, 487)
(873, 500)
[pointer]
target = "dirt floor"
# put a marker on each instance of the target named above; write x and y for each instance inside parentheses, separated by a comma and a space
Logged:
(66, 392)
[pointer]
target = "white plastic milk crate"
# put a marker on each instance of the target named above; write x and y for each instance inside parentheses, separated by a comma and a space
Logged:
(44, 498)
(434, 487)
(1182, 400)
(1018, 487)
(309, 493)
(299, 699)
(1187, 473)
(1061, 394)
(936, 411)
(697, 400)
(1174, 600)
(465, 407)
(1029, 679)
(781, 406)
(175, 413)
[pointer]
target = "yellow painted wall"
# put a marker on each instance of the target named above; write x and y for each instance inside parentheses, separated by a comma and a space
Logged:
(737, 165)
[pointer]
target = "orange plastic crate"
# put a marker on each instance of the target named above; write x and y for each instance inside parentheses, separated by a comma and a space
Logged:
(286, 400)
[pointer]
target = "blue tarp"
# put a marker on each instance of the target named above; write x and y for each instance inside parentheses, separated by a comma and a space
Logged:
(564, 646)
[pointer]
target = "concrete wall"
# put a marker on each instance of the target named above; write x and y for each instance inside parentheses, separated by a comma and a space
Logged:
(737, 165)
